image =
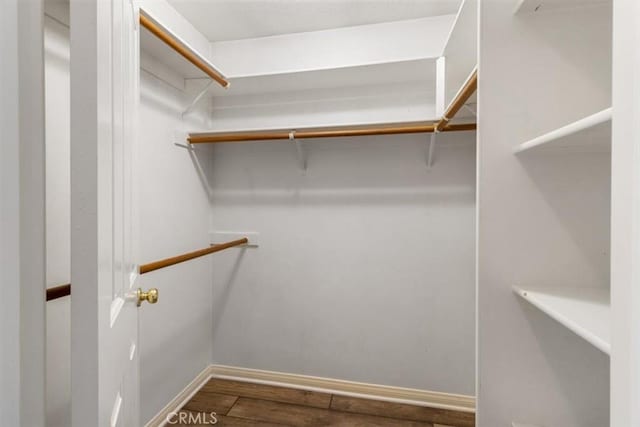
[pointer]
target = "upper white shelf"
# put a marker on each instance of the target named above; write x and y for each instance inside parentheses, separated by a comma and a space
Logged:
(419, 72)
(583, 310)
(530, 6)
(153, 31)
(592, 132)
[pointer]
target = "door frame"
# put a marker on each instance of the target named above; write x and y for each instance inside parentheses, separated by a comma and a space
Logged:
(22, 229)
(625, 216)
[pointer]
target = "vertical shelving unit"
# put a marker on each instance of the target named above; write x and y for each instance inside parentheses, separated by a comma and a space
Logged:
(585, 310)
(544, 213)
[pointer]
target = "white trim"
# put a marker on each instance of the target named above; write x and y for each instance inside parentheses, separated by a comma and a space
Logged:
(160, 419)
(409, 396)
(31, 223)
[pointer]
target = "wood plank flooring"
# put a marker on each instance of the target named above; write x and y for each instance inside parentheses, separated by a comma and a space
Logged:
(239, 403)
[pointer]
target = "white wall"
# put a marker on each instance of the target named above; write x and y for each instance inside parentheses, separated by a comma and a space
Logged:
(175, 334)
(58, 221)
(9, 217)
(22, 254)
(365, 269)
(32, 212)
(543, 217)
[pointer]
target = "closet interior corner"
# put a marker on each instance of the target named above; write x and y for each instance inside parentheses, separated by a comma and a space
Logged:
(356, 212)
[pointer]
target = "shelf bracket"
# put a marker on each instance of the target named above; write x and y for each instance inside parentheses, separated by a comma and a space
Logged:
(431, 149)
(302, 158)
(197, 98)
(180, 140)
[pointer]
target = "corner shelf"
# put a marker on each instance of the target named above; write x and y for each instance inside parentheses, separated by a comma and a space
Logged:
(583, 310)
(592, 132)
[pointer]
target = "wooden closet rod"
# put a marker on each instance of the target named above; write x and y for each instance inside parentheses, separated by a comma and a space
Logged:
(183, 50)
(340, 131)
(146, 268)
(64, 290)
(465, 93)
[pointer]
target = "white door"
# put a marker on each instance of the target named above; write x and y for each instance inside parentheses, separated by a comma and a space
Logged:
(104, 316)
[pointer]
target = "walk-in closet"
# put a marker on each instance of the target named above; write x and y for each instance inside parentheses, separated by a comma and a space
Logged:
(346, 212)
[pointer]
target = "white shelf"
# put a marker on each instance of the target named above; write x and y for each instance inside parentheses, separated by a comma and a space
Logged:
(154, 51)
(592, 133)
(531, 6)
(583, 310)
(420, 73)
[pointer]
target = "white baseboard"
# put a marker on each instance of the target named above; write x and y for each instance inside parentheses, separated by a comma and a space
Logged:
(181, 399)
(410, 396)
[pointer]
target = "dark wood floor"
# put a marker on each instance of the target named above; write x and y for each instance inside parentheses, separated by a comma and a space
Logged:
(247, 404)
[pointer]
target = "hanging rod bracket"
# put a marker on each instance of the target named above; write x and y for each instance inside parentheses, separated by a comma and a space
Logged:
(253, 237)
(302, 158)
(181, 139)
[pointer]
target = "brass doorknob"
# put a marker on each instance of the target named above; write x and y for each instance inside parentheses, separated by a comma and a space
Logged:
(151, 296)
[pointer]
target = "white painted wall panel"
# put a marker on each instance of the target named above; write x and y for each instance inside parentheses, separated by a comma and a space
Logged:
(326, 107)
(175, 333)
(9, 217)
(365, 266)
(22, 254)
